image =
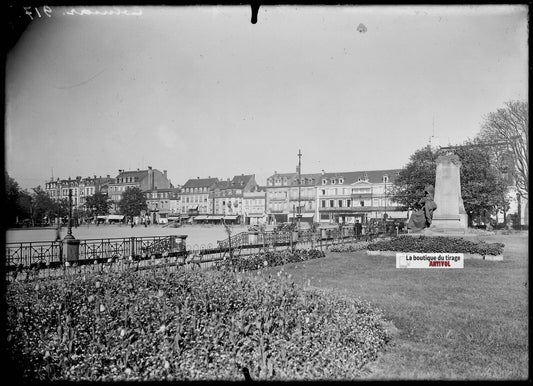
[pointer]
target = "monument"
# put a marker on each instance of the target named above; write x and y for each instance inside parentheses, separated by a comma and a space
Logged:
(450, 217)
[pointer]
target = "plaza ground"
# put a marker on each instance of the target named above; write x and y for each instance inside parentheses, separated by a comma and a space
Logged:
(469, 323)
(197, 235)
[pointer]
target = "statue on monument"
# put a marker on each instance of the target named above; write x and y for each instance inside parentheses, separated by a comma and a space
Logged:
(422, 216)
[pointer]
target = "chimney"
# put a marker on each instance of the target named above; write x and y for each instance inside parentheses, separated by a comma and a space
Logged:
(322, 171)
(150, 178)
(107, 176)
(197, 178)
(165, 173)
(275, 172)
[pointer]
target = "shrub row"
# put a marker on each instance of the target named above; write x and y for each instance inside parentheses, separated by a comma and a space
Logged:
(270, 259)
(439, 244)
(350, 247)
(158, 325)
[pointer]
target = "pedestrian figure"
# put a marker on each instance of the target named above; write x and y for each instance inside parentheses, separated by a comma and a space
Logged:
(58, 233)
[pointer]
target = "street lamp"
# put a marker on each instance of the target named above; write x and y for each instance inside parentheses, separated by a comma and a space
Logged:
(69, 232)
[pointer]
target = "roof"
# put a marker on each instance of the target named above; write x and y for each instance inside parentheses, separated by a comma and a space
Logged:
(292, 178)
(374, 176)
(242, 180)
(200, 182)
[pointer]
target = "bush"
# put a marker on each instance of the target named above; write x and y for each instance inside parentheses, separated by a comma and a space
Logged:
(270, 259)
(193, 325)
(439, 244)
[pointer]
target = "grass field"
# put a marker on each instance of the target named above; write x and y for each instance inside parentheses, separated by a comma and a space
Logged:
(466, 324)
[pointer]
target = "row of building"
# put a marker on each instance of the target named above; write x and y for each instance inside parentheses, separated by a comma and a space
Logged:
(346, 197)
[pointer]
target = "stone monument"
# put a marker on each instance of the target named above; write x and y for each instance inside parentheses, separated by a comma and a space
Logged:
(450, 216)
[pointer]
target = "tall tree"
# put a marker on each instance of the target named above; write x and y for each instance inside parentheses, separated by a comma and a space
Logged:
(511, 125)
(482, 187)
(133, 202)
(42, 205)
(98, 204)
(12, 196)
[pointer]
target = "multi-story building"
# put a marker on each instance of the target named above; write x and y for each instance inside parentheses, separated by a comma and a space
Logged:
(195, 196)
(161, 203)
(226, 198)
(81, 189)
(145, 180)
(287, 197)
(254, 206)
(350, 197)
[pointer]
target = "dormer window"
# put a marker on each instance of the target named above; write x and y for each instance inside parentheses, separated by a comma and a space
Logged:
(324, 182)
(359, 179)
(385, 178)
(341, 180)
(333, 181)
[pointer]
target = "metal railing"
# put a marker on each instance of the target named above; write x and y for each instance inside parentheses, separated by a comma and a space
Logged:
(50, 254)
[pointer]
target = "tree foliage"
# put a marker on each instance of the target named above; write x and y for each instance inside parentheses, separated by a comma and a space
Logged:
(482, 186)
(98, 204)
(511, 125)
(133, 202)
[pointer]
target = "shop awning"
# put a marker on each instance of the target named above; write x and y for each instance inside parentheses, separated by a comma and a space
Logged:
(201, 217)
(255, 215)
(115, 217)
(215, 218)
(304, 215)
(230, 217)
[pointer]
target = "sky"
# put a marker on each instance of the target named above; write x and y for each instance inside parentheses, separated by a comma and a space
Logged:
(200, 91)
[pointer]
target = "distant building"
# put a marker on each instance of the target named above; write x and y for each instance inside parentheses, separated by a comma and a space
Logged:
(226, 199)
(285, 193)
(254, 206)
(81, 189)
(195, 196)
(145, 180)
(161, 204)
(348, 197)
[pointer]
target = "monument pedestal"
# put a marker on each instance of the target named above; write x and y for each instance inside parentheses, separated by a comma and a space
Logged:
(450, 215)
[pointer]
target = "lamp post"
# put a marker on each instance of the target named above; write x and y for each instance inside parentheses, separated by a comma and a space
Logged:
(69, 231)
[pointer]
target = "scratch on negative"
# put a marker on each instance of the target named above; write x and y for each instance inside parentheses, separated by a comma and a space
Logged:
(85, 81)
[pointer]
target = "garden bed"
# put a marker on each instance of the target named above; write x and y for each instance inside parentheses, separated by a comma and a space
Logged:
(159, 325)
(439, 244)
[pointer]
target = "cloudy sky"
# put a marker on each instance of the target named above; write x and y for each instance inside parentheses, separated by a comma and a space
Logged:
(200, 91)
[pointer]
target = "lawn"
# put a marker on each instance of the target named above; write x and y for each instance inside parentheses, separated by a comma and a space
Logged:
(469, 323)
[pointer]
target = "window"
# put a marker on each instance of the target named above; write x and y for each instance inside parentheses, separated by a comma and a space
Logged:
(331, 203)
(323, 192)
(348, 203)
(340, 203)
(333, 181)
(362, 203)
(341, 180)
(324, 181)
(385, 178)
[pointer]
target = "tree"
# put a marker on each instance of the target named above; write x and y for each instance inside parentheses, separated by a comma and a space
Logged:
(133, 202)
(483, 188)
(12, 196)
(413, 178)
(98, 204)
(42, 205)
(511, 125)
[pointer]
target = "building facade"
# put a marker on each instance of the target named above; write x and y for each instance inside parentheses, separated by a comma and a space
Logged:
(161, 204)
(226, 198)
(349, 197)
(287, 197)
(254, 206)
(81, 189)
(195, 196)
(146, 180)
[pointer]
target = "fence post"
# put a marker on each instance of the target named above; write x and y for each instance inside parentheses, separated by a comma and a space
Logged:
(132, 246)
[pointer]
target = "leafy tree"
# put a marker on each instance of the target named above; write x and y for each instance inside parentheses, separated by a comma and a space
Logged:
(133, 202)
(12, 196)
(413, 178)
(511, 125)
(42, 205)
(24, 205)
(98, 204)
(483, 188)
